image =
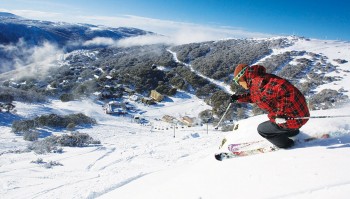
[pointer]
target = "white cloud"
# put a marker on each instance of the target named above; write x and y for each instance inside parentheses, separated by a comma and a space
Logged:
(177, 32)
(130, 41)
(144, 40)
(105, 41)
(44, 55)
(35, 60)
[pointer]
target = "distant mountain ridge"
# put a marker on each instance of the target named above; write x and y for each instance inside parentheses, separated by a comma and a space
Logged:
(35, 32)
(19, 37)
(6, 14)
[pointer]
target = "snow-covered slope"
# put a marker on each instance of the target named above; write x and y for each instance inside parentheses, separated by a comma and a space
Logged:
(147, 161)
(314, 170)
(332, 49)
(129, 150)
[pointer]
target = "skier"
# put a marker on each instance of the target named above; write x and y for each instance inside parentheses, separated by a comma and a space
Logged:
(278, 97)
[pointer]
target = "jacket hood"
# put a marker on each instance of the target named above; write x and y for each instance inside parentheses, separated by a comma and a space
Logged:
(254, 71)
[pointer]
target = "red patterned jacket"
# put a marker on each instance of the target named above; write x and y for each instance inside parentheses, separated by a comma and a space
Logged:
(275, 95)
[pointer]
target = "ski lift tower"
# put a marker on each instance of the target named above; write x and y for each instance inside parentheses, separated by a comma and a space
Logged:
(175, 121)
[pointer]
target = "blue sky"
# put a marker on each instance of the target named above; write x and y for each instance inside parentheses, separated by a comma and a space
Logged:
(200, 19)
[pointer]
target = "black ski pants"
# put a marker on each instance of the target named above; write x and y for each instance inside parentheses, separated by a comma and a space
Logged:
(276, 135)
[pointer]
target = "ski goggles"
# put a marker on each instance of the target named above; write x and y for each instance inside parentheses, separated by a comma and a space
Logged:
(239, 75)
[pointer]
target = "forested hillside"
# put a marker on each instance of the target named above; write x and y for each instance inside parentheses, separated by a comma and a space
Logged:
(144, 68)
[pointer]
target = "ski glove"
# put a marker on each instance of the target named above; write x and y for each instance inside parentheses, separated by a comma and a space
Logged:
(280, 120)
(234, 98)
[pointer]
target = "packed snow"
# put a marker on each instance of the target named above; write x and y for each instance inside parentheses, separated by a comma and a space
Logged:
(316, 169)
(161, 160)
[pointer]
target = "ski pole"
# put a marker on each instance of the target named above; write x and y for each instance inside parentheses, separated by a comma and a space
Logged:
(228, 107)
(310, 117)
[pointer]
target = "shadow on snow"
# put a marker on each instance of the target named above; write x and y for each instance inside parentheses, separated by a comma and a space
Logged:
(6, 119)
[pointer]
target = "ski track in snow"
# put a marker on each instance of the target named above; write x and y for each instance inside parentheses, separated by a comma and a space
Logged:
(44, 192)
(114, 187)
(100, 158)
